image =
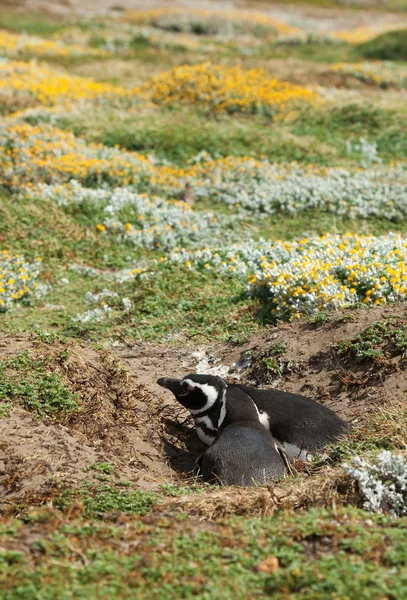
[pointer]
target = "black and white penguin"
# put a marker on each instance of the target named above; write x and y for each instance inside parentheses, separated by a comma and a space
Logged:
(299, 425)
(243, 453)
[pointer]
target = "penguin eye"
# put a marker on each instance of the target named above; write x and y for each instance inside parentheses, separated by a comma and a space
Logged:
(187, 387)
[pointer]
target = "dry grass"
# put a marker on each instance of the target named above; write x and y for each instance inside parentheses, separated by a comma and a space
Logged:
(329, 488)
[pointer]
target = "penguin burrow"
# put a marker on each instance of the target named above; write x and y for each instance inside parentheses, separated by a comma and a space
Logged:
(299, 425)
(244, 452)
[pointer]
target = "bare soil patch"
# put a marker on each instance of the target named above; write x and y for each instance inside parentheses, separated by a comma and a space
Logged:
(120, 423)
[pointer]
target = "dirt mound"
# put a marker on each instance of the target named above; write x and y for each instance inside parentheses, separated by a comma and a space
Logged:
(119, 422)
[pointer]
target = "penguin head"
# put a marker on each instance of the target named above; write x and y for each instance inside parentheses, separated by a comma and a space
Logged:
(197, 393)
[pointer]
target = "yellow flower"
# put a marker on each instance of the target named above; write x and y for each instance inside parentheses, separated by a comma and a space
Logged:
(100, 227)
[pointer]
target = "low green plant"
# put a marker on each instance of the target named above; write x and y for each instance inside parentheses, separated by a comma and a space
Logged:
(272, 366)
(99, 499)
(319, 317)
(26, 380)
(380, 340)
(102, 467)
(4, 410)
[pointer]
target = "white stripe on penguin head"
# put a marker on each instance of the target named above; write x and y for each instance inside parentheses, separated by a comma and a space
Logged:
(210, 391)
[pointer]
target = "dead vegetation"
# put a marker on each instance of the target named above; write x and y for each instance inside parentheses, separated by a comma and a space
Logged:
(331, 487)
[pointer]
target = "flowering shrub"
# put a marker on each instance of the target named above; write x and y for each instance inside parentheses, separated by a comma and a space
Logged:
(302, 38)
(105, 303)
(43, 154)
(332, 271)
(303, 277)
(18, 280)
(136, 218)
(262, 187)
(13, 45)
(225, 89)
(38, 154)
(383, 485)
(50, 86)
(383, 74)
(209, 22)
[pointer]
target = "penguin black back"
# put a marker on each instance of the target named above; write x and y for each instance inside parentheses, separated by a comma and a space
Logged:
(297, 422)
(244, 453)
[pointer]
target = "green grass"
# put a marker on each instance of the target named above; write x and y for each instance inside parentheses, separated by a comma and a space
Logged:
(31, 23)
(107, 497)
(342, 553)
(177, 139)
(179, 302)
(336, 125)
(317, 135)
(388, 46)
(25, 380)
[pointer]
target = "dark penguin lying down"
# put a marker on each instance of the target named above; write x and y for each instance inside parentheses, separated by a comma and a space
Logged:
(244, 453)
(300, 426)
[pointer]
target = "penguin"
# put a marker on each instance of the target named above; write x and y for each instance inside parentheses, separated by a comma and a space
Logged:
(244, 453)
(300, 426)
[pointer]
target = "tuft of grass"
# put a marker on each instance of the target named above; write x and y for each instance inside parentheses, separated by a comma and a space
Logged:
(388, 46)
(25, 380)
(383, 430)
(101, 467)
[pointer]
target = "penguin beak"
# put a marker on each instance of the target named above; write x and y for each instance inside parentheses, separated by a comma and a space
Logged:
(174, 385)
